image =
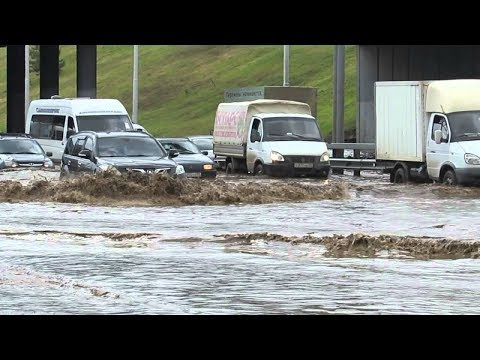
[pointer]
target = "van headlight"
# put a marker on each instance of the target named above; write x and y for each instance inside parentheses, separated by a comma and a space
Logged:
(179, 170)
(324, 157)
(276, 156)
(472, 159)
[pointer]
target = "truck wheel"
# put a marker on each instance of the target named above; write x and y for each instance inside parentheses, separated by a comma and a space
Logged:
(229, 168)
(450, 178)
(400, 176)
(258, 169)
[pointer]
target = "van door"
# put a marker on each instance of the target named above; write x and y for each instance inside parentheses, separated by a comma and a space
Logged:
(254, 143)
(48, 130)
(437, 154)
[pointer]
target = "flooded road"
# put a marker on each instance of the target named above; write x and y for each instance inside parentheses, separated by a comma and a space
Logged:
(61, 258)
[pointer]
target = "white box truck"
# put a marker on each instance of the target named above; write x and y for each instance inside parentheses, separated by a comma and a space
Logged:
(429, 130)
(52, 121)
(273, 137)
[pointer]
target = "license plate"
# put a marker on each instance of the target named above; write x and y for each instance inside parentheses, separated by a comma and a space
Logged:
(303, 165)
(196, 175)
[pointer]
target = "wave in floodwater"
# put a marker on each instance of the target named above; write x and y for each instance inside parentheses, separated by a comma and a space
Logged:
(354, 245)
(351, 245)
(139, 189)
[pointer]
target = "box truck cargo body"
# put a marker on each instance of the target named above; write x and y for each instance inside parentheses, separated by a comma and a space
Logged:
(429, 130)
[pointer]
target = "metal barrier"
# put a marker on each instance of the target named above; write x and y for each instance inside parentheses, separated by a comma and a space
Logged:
(339, 162)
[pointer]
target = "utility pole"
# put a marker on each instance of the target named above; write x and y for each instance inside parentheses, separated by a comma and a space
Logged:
(286, 65)
(27, 79)
(135, 85)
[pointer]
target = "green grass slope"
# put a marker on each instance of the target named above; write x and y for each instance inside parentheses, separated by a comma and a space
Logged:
(181, 85)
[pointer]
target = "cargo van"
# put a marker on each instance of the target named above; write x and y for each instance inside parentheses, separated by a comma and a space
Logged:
(272, 137)
(52, 121)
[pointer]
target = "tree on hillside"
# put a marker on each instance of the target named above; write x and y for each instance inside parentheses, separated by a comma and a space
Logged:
(35, 59)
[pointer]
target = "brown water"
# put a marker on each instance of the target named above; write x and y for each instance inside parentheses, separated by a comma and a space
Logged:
(216, 259)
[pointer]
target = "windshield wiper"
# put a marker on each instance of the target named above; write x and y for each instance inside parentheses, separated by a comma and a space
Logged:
(29, 152)
(304, 136)
(187, 152)
(468, 135)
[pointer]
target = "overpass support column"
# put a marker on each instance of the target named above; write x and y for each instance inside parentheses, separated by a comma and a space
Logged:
(49, 71)
(15, 88)
(338, 134)
(87, 71)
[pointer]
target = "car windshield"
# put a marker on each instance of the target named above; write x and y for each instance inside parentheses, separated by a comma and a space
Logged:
(464, 125)
(203, 144)
(104, 123)
(290, 129)
(20, 146)
(129, 146)
(182, 146)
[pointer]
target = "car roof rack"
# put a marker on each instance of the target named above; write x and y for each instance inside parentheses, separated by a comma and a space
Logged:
(16, 135)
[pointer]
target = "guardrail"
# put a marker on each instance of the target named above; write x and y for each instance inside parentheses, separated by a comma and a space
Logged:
(339, 162)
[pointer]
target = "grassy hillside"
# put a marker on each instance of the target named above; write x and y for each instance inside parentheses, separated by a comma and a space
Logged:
(181, 85)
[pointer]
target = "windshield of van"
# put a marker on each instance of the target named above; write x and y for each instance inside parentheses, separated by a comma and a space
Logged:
(129, 146)
(290, 129)
(464, 125)
(104, 123)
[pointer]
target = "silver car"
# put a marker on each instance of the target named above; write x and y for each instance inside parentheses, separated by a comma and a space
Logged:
(205, 143)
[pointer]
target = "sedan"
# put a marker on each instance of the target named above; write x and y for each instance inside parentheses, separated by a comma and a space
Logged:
(195, 162)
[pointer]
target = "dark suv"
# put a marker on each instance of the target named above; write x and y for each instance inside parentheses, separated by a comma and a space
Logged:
(21, 151)
(92, 152)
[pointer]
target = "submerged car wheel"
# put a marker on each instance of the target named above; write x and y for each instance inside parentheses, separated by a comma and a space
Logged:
(258, 169)
(450, 178)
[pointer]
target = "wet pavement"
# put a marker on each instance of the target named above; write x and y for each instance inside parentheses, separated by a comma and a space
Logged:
(75, 258)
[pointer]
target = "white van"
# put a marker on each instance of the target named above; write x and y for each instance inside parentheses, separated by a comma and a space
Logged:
(52, 121)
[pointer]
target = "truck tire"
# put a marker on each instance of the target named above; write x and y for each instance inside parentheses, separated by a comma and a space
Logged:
(400, 175)
(258, 169)
(229, 169)
(450, 178)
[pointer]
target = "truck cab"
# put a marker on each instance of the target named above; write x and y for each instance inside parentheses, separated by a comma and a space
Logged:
(286, 145)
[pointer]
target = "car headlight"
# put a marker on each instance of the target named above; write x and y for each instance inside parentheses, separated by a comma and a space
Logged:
(472, 159)
(109, 167)
(9, 162)
(207, 167)
(179, 170)
(324, 157)
(48, 163)
(276, 156)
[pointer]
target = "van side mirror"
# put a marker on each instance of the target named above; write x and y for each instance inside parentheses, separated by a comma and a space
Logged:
(172, 153)
(49, 153)
(255, 137)
(205, 152)
(438, 136)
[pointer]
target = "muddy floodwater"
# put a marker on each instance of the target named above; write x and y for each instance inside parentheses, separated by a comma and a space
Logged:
(342, 246)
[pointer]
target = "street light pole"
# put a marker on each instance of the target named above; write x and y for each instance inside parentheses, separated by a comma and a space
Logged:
(27, 79)
(286, 65)
(135, 85)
